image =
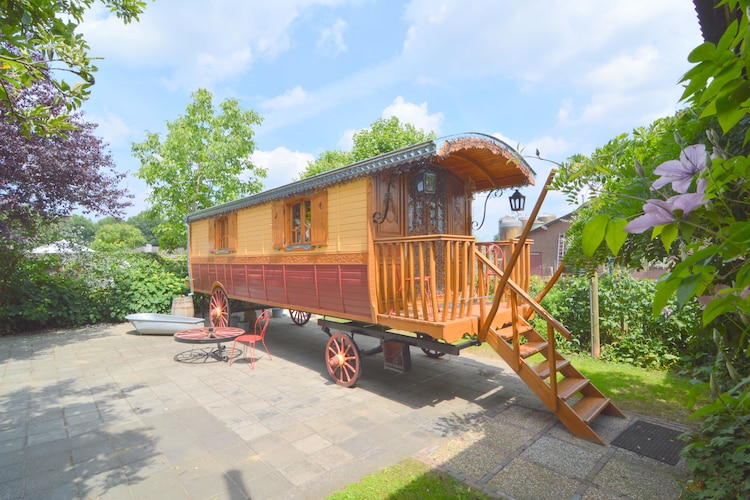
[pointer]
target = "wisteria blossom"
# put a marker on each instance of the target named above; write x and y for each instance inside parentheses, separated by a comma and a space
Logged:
(681, 172)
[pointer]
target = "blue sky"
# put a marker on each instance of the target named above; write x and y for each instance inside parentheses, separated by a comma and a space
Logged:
(561, 76)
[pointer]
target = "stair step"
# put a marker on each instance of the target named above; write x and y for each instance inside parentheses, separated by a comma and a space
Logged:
(569, 386)
(531, 348)
(506, 333)
(589, 407)
(543, 369)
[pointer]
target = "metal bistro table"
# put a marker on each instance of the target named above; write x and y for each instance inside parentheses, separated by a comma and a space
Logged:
(207, 335)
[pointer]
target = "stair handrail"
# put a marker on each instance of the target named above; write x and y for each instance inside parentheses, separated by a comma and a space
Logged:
(547, 288)
(504, 278)
(541, 311)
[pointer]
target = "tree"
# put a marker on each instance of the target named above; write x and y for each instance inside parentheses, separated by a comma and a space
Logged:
(383, 136)
(38, 39)
(201, 162)
(117, 236)
(45, 178)
(146, 224)
(77, 229)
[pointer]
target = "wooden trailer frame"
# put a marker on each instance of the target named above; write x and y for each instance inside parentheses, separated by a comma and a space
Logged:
(384, 248)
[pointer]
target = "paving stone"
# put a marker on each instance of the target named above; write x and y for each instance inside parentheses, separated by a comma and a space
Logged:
(640, 477)
(311, 444)
(50, 484)
(578, 461)
(11, 488)
(526, 480)
(301, 472)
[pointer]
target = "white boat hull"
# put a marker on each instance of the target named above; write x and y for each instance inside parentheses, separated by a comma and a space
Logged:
(163, 324)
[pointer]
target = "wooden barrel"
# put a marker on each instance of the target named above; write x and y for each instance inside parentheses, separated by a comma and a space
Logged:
(183, 306)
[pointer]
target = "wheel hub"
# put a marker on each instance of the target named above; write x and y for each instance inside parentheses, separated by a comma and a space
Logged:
(337, 361)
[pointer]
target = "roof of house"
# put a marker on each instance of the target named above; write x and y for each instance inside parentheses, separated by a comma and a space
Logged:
(545, 226)
(486, 161)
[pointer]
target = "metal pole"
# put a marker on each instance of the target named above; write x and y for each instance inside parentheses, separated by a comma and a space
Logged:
(595, 351)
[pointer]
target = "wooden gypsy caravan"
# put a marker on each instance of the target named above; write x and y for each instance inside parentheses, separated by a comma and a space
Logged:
(384, 248)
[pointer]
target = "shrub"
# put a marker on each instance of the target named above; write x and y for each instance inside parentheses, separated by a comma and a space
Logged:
(718, 453)
(42, 294)
(628, 331)
(65, 291)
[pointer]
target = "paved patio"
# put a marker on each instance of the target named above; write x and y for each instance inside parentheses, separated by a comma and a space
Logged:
(104, 412)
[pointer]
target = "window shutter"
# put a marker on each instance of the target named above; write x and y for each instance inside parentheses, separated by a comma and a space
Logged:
(212, 235)
(232, 228)
(319, 209)
(277, 225)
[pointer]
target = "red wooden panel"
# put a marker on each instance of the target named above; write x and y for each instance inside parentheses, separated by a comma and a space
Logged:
(255, 283)
(329, 289)
(239, 283)
(275, 289)
(300, 286)
(199, 274)
(356, 290)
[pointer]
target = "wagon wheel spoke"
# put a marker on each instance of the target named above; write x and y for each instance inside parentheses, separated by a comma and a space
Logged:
(342, 359)
(219, 308)
(431, 353)
(299, 317)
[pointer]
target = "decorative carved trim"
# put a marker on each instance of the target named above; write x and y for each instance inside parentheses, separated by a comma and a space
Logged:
(288, 258)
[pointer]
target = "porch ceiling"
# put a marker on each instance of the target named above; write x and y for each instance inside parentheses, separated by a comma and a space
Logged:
(486, 163)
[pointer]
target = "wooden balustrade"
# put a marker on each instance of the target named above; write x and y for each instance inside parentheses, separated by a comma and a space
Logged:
(438, 278)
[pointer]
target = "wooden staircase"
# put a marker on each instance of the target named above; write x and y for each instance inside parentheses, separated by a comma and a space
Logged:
(563, 389)
(557, 383)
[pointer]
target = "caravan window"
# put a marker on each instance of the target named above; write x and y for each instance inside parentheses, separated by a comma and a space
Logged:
(222, 234)
(301, 223)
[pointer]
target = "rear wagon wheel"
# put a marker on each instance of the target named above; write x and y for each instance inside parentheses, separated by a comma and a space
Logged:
(219, 308)
(299, 317)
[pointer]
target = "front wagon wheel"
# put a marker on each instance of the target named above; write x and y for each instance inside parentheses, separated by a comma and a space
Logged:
(342, 359)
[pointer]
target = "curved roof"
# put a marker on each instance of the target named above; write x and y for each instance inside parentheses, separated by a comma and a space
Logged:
(487, 161)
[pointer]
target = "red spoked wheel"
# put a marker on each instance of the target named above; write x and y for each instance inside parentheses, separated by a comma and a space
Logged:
(431, 353)
(299, 317)
(219, 308)
(342, 359)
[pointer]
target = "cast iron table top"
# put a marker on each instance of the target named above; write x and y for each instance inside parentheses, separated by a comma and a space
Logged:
(209, 335)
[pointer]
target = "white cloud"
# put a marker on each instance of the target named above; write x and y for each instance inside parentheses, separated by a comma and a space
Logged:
(206, 41)
(346, 140)
(111, 128)
(331, 39)
(283, 166)
(539, 43)
(357, 86)
(564, 111)
(550, 148)
(416, 114)
(507, 140)
(626, 71)
(289, 99)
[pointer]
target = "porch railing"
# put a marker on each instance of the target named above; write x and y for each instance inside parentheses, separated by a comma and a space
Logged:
(438, 278)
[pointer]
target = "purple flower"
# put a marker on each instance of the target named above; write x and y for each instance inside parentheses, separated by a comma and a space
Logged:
(659, 212)
(681, 172)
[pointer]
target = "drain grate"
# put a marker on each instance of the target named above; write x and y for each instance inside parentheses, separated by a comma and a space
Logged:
(651, 440)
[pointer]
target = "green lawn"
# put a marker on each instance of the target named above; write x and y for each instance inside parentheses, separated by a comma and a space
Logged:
(407, 480)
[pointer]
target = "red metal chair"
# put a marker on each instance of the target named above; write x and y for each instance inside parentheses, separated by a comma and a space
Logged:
(261, 325)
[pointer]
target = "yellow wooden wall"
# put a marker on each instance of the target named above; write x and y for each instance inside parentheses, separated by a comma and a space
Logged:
(347, 226)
